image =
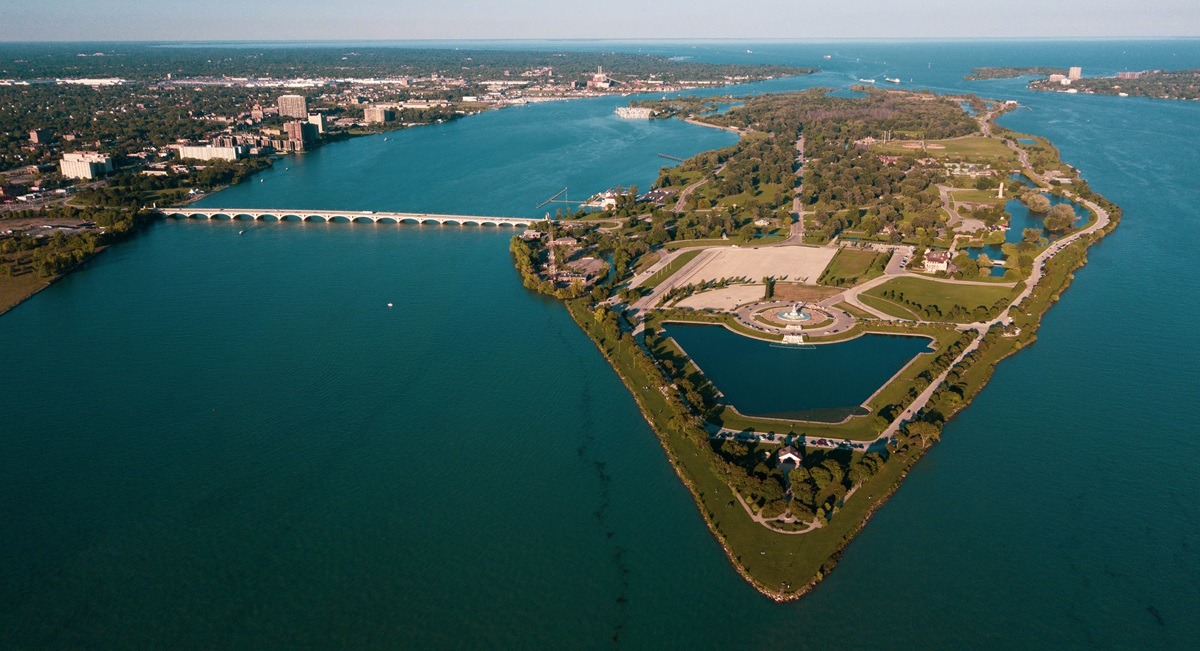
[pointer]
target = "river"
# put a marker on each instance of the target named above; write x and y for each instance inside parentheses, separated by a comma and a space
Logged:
(222, 440)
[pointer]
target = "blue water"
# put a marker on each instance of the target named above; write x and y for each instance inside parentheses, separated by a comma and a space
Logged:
(1021, 217)
(222, 441)
(762, 379)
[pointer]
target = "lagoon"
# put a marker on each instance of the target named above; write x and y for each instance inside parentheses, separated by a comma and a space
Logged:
(825, 382)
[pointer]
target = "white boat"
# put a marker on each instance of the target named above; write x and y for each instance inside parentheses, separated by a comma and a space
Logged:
(866, 81)
(389, 304)
(892, 80)
(241, 231)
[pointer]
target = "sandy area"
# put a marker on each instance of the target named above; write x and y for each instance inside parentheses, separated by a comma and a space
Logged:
(726, 298)
(798, 263)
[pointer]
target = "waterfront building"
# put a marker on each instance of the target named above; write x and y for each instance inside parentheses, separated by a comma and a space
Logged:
(1074, 73)
(85, 165)
(293, 106)
(378, 115)
(304, 132)
(318, 120)
(599, 81)
(209, 152)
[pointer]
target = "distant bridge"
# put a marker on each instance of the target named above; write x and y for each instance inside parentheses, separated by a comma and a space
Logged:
(351, 216)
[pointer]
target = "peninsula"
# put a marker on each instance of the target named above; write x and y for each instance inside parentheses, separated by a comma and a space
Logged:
(834, 224)
(1157, 84)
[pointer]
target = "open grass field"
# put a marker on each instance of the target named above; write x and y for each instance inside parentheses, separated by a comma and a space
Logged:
(789, 292)
(18, 288)
(976, 149)
(669, 270)
(972, 195)
(852, 266)
(942, 298)
(687, 244)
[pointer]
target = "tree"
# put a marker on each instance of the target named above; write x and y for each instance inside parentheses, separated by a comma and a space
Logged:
(1036, 202)
(769, 282)
(1061, 218)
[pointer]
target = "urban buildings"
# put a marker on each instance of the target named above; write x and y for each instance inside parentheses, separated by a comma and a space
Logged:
(378, 114)
(293, 106)
(1074, 73)
(209, 152)
(40, 136)
(85, 165)
(304, 132)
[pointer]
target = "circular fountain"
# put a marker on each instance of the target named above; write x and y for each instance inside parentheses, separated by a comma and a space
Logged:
(796, 315)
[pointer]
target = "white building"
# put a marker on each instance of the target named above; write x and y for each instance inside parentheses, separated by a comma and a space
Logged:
(208, 152)
(937, 261)
(85, 165)
(1075, 73)
(319, 120)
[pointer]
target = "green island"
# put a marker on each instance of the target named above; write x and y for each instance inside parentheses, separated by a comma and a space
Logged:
(830, 220)
(1012, 72)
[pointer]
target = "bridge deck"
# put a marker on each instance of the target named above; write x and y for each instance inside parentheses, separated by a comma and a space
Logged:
(349, 215)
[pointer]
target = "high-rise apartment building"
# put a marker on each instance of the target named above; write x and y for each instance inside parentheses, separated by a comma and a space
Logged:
(293, 106)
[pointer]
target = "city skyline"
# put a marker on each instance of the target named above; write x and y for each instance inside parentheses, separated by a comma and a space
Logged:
(125, 20)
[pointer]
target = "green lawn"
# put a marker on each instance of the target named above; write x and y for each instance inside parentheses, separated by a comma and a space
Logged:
(852, 266)
(733, 241)
(938, 301)
(669, 270)
(976, 196)
(976, 149)
(889, 307)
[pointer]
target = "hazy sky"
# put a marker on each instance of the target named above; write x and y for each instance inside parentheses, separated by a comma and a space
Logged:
(35, 20)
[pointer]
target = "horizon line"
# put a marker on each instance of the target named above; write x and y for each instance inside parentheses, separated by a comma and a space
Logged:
(824, 39)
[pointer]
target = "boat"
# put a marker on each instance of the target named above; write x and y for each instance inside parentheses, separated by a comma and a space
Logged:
(241, 231)
(828, 57)
(866, 81)
(389, 304)
(892, 80)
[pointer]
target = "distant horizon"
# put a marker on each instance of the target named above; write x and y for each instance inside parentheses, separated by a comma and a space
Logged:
(682, 20)
(749, 39)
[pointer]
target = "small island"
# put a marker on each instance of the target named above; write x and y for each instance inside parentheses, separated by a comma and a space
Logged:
(1012, 72)
(799, 314)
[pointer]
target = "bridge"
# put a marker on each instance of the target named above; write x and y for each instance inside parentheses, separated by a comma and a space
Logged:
(350, 216)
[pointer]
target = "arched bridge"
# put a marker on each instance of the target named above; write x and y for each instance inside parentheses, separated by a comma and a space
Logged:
(282, 214)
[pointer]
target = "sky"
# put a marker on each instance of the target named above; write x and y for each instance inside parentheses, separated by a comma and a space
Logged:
(183, 20)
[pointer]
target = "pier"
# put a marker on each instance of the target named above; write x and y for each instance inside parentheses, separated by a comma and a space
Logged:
(350, 216)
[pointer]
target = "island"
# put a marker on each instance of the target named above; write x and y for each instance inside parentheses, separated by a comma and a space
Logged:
(1012, 72)
(799, 314)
